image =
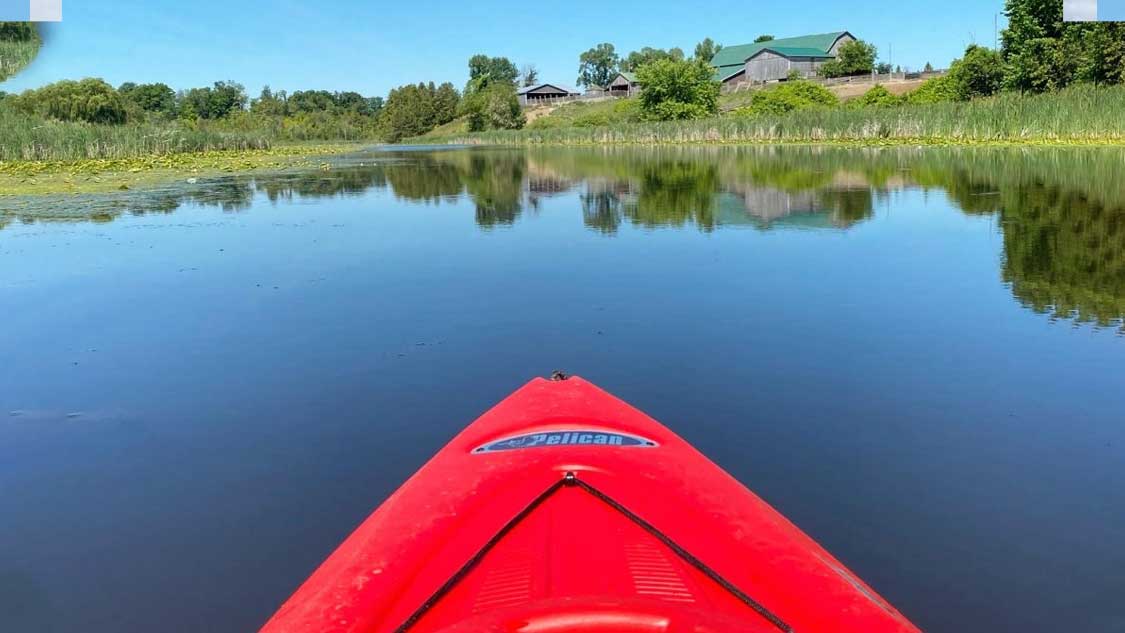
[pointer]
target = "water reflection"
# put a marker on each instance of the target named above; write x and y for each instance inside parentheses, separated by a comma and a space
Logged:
(1061, 211)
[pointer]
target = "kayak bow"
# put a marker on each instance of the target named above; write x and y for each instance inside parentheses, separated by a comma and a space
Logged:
(566, 509)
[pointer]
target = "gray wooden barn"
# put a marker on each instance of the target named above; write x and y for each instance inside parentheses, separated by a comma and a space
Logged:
(776, 59)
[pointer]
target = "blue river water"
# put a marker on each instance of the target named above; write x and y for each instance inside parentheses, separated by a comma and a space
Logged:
(915, 355)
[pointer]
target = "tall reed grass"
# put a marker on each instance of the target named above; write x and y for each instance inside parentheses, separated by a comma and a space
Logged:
(1083, 114)
(25, 137)
(19, 44)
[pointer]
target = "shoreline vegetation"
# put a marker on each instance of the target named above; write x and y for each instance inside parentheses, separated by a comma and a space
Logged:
(101, 175)
(1049, 83)
(19, 45)
(1082, 115)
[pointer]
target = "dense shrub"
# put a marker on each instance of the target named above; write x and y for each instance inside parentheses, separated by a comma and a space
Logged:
(935, 90)
(494, 108)
(877, 97)
(787, 97)
(157, 97)
(414, 109)
(1042, 52)
(854, 58)
(980, 73)
(89, 100)
(674, 89)
(627, 111)
(216, 102)
(593, 119)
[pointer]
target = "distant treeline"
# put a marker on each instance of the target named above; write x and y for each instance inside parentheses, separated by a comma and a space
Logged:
(1039, 53)
(95, 101)
(119, 121)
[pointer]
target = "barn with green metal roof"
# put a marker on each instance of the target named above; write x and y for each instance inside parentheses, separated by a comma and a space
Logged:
(624, 84)
(774, 60)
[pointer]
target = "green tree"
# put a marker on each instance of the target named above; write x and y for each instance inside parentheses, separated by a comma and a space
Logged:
(311, 101)
(485, 71)
(409, 112)
(89, 100)
(447, 101)
(1098, 50)
(355, 103)
(494, 108)
(707, 49)
(1042, 52)
(647, 55)
(854, 58)
(883, 68)
(1030, 20)
(270, 103)
(156, 97)
(597, 66)
(678, 89)
(1035, 67)
(763, 38)
(929, 68)
(980, 73)
(216, 102)
(375, 104)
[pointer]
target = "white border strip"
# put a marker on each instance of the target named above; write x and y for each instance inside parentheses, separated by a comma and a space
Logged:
(1080, 10)
(46, 10)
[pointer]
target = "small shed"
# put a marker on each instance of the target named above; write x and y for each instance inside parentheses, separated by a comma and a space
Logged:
(623, 85)
(545, 93)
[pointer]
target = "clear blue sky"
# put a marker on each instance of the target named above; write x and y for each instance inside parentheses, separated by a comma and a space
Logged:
(1111, 10)
(371, 46)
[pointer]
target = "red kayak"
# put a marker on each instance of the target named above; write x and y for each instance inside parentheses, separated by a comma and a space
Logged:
(566, 509)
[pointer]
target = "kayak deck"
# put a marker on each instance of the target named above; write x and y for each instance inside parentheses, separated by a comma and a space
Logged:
(545, 557)
(566, 509)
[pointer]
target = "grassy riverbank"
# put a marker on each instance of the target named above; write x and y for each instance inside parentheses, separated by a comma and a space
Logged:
(1081, 115)
(25, 137)
(113, 174)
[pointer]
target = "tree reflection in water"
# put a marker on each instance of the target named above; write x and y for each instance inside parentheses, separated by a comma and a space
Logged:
(1061, 211)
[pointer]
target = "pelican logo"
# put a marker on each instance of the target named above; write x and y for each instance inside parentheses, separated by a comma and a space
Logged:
(566, 438)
